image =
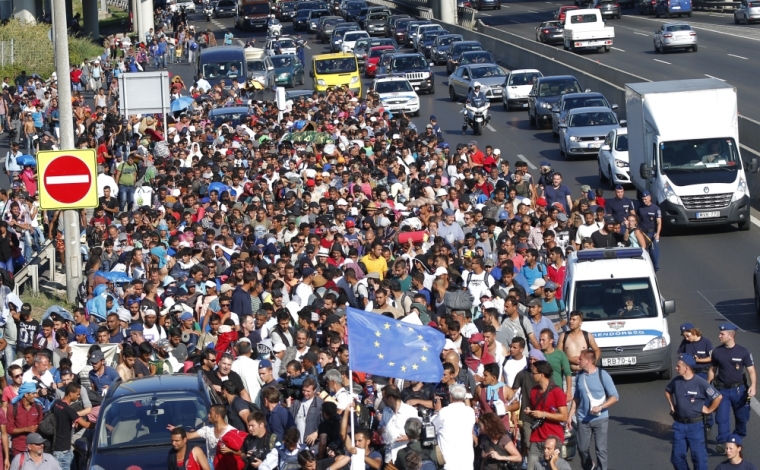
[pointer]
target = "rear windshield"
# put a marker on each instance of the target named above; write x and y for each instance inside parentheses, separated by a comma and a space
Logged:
(378, 52)
(378, 16)
(468, 47)
(577, 19)
(555, 88)
(447, 41)
(332, 66)
(255, 8)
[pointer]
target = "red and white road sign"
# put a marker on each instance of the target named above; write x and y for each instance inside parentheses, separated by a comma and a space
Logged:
(67, 179)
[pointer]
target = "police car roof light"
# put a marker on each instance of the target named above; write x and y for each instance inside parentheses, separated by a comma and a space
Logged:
(609, 253)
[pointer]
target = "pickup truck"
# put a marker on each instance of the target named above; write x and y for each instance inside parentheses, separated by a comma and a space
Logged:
(585, 29)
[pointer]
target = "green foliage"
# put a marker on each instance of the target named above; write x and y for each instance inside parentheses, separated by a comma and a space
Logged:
(33, 51)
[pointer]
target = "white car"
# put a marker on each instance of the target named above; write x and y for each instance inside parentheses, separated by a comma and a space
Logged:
(613, 158)
(517, 86)
(397, 94)
(188, 5)
(350, 38)
(287, 45)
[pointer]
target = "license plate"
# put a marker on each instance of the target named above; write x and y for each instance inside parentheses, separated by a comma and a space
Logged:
(675, 8)
(618, 361)
(417, 88)
(593, 145)
(708, 215)
(479, 120)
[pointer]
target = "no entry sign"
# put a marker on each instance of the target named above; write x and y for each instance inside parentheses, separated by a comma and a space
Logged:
(67, 179)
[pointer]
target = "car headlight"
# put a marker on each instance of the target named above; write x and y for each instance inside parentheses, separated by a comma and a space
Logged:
(354, 80)
(621, 163)
(670, 195)
(321, 82)
(545, 105)
(656, 343)
(573, 138)
(283, 75)
(741, 190)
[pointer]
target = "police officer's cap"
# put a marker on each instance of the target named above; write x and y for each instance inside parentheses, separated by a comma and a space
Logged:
(688, 360)
(735, 439)
(686, 327)
(727, 326)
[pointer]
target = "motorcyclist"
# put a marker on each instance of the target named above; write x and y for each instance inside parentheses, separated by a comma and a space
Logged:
(476, 98)
(273, 26)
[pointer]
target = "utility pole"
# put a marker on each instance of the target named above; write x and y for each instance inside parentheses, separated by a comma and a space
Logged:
(73, 254)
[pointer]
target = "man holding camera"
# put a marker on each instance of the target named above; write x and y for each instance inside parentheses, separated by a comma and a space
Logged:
(548, 408)
(308, 413)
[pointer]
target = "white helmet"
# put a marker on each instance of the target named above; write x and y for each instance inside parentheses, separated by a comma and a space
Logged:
(476, 85)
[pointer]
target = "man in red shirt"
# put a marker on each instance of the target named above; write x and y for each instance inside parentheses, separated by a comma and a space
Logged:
(548, 406)
(24, 415)
(477, 159)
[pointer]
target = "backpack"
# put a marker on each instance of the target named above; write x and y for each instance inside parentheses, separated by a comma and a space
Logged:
(286, 460)
(48, 424)
(485, 280)
(193, 46)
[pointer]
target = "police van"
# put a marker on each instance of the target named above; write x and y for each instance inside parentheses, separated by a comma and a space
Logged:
(617, 291)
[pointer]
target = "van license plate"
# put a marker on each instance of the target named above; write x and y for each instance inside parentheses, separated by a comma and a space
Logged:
(707, 215)
(619, 361)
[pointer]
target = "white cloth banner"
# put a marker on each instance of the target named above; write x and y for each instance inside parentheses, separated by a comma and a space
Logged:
(79, 355)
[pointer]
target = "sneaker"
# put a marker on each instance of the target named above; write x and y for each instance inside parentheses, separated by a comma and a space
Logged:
(721, 449)
(525, 463)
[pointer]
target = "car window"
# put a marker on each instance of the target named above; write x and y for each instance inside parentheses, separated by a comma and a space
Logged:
(577, 19)
(622, 143)
(592, 119)
(283, 61)
(486, 72)
(527, 78)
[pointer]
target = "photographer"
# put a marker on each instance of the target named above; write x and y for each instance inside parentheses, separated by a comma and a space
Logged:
(307, 411)
(259, 449)
(419, 395)
(548, 408)
(413, 430)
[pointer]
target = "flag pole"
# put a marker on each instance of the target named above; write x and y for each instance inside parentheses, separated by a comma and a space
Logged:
(353, 405)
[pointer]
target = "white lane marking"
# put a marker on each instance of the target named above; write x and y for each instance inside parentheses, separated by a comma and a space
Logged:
(715, 78)
(490, 128)
(621, 50)
(530, 164)
(513, 21)
(738, 56)
(640, 34)
(531, 11)
(69, 179)
(755, 220)
(484, 14)
(306, 46)
(658, 60)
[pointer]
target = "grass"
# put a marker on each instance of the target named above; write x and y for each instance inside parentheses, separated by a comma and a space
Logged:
(42, 301)
(114, 22)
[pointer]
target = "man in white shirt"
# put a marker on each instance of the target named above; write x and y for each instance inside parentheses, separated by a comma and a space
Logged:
(335, 384)
(453, 426)
(202, 84)
(394, 434)
(516, 361)
(585, 230)
(304, 290)
(213, 433)
(477, 281)
(40, 373)
(248, 369)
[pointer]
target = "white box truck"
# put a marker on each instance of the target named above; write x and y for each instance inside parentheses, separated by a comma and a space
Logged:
(683, 147)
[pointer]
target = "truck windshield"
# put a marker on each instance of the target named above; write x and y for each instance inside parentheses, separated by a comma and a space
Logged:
(256, 8)
(615, 299)
(330, 66)
(231, 69)
(409, 63)
(699, 155)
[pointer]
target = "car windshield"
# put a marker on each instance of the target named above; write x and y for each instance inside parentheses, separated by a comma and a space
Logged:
(478, 57)
(409, 63)
(283, 61)
(384, 42)
(256, 66)
(256, 8)
(486, 72)
(584, 103)
(354, 35)
(402, 23)
(395, 86)
(679, 27)
(378, 52)
(355, 5)
(615, 299)
(287, 6)
(431, 35)
(141, 420)
(621, 145)
(330, 66)
(699, 155)
(592, 119)
(287, 44)
(447, 41)
(231, 69)
(308, 5)
(558, 87)
(520, 79)
(468, 47)
(226, 3)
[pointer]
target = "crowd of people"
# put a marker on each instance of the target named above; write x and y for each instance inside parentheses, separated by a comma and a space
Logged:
(232, 248)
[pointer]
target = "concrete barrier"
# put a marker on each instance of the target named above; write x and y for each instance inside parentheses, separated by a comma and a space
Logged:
(466, 17)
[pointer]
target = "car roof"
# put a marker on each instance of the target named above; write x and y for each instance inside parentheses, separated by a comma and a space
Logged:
(553, 78)
(677, 23)
(585, 94)
(467, 42)
(381, 48)
(475, 66)
(392, 78)
(161, 383)
(615, 268)
(591, 109)
(524, 71)
(228, 110)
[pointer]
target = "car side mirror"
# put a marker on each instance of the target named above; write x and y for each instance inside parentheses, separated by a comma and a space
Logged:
(431, 64)
(311, 73)
(646, 171)
(531, 95)
(668, 307)
(555, 109)
(82, 446)
(753, 166)
(623, 123)
(605, 147)
(614, 106)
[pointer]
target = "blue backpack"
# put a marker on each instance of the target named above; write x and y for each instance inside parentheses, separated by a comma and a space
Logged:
(286, 460)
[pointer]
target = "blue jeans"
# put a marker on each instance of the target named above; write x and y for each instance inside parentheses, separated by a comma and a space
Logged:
(654, 251)
(126, 195)
(733, 399)
(7, 265)
(685, 437)
(64, 458)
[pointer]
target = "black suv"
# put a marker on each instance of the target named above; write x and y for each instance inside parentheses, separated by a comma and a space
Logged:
(131, 426)
(545, 93)
(416, 69)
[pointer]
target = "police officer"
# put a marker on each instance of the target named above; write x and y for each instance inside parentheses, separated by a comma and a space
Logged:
(300, 44)
(650, 222)
(735, 459)
(690, 398)
(619, 206)
(727, 375)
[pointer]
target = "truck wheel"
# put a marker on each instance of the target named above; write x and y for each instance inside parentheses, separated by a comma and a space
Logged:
(745, 226)
(606, 48)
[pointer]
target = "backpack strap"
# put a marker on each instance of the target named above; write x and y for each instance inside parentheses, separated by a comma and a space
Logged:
(585, 336)
(525, 332)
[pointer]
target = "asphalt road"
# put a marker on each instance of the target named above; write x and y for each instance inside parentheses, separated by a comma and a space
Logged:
(708, 272)
(725, 49)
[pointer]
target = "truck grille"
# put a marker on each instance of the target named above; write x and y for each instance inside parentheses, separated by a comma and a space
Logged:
(415, 76)
(590, 139)
(707, 201)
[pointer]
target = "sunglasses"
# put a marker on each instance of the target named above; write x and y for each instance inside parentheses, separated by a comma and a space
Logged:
(17, 376)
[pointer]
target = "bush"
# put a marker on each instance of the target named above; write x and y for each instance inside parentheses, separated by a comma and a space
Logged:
(33, 51)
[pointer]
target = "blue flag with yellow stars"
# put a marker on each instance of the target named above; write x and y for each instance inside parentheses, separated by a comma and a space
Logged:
(383, 346)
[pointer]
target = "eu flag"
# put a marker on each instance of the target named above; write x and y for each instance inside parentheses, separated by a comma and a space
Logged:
(383, 346)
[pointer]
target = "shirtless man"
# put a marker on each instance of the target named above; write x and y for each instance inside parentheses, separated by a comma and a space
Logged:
(574, 341)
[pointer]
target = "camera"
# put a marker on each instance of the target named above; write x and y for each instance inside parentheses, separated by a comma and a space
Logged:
(292, 387)
(537, 424)
(442, 392)
(427, 437)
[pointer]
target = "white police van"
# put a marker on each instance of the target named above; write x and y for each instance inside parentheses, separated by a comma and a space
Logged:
(617, 291)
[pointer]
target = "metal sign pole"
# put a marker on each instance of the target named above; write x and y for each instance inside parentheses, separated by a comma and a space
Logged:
(73, 261)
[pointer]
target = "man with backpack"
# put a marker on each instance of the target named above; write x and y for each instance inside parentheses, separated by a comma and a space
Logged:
(260, 446)
(65, 418)
(24, 415)
(35, 453)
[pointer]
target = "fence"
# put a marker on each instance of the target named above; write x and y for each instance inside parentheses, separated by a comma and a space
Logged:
(31, 271)
(123, 4)
(24, 52)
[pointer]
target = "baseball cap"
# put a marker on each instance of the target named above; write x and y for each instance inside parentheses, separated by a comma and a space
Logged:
(306, 272)
(619, 186)
(264, 364)
(733, 439)
(311, 357)
(550, 286)
(449, 212)
(536, 354)
(538, 283)
(476, 338)
(96, 357)
(727, 326)
(279, 347)
(645, 193)
(80, 330)
(585, 188)
(688, 360)
(35, 438)
(535, 303)
(186, 316)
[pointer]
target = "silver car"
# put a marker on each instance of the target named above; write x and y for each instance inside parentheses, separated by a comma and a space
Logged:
(675, 36)
(747, 12)
(585, 131)
(576, 100)
(490, 76)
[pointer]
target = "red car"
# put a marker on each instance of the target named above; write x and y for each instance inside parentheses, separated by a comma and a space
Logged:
(560, 15)
(370, 69)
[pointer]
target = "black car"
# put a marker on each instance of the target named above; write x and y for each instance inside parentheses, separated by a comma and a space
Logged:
(456, 50)
(132, 423)
(550, 32)
(286, 10)
(545, 93)
(608, 8)
(225, 8)
(365, 11)
(352, 9)
(427, 40)
(416, 69)
(397, 29)
(441, 46)
(482, 4)
(302, 13)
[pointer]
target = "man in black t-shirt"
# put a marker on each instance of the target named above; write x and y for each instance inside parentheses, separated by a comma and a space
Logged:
(28, 328)
(223, 373)
(65, 417)
(237, 408)
(108, 203)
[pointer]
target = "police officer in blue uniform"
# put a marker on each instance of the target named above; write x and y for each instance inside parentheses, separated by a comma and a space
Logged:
(650, 223)
(300, 44)
(619, 206)
(729, 360)
(735, 459)
(700, 348)
(690, 398)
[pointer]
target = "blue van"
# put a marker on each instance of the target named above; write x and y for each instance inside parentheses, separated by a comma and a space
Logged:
(668, 8)
(223, 63)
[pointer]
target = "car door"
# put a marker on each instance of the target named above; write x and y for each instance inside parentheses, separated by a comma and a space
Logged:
(556, 116)
(462, 82)
(657, 37)
(605, 156)
(532, 99)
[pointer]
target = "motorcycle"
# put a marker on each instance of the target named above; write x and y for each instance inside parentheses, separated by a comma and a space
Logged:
(274, 30)
(477, 116)
(208, 10)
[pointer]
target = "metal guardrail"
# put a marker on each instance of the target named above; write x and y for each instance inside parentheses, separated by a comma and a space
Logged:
(725, 7)
(425, 13)
(31, 271)
(466, 17)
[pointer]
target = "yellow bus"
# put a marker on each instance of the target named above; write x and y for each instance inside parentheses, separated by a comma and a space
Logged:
(336, 70)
